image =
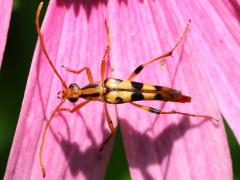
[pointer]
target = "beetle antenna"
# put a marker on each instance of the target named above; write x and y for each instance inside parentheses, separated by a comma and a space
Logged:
(43, 45)
(44, 135)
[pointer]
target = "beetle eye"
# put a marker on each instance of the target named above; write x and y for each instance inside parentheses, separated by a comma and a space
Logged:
(73, 86)
(73, 99)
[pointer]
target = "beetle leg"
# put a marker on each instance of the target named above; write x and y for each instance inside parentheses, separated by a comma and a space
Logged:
(162, 57)
(103, 63)
(88, 72)
(156, 111)
(111, 127)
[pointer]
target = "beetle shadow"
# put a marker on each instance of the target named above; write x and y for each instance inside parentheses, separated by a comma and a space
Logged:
(162, 144)
(88, 5)
(81, 160)
(236, 7)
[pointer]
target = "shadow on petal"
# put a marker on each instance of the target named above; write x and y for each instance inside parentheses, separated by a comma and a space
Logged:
(236, 6)
(163, 143)
(88, 6)
(82, 160)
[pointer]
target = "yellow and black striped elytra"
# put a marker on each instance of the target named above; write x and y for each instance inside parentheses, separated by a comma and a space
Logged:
(117, 91)
(111, 90)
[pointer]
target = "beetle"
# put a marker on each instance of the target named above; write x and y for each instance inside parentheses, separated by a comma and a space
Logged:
(112, 90)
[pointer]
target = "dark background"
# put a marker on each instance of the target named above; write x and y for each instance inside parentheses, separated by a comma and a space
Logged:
(14, 72)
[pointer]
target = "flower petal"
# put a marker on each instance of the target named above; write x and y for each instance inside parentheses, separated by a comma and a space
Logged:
(220, 51)
(72, 143)
(168, 147)
(223, 48)
(5, 15)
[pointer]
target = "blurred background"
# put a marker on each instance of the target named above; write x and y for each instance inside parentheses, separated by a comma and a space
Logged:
(18, 54)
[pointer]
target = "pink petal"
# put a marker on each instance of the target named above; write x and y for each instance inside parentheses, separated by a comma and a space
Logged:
(5, 14)
(172, 147)
(74, 35)
(223, 48)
